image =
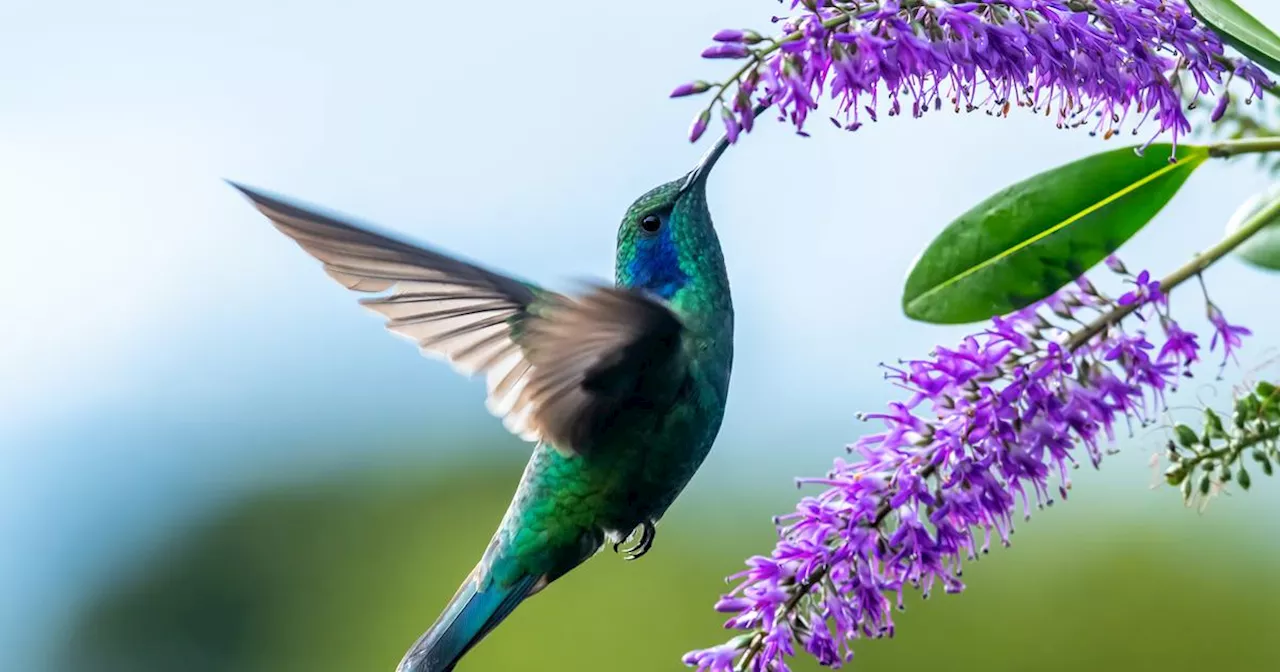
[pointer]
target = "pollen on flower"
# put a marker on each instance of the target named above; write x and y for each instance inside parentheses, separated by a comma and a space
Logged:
(1011, 410)
(1106, 65)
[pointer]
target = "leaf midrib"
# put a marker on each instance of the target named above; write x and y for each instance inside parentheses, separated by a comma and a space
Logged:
(1194, 159)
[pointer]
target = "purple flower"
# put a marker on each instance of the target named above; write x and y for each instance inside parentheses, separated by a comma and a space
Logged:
(1179, 346)
(1145, 290)
(1229, 334)
(715, 659)
(1109, 65)
(989, 430)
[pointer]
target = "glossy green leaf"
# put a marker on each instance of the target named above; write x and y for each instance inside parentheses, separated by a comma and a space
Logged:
(1239, 29)
(1263, 248)
(1027, 241)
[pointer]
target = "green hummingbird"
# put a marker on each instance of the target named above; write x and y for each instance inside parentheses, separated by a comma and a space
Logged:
(621, 388)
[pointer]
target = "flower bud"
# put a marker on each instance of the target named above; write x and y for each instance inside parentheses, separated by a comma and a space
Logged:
(690, 88)
(726, 51)
(732, 605)
(1262, 460)
(729, 35)
(1221, 108)
(1245, 411)
(699, 126)
(1186, 437)
(731, 126)
(1268, 401)
(1213, 425)
(1176, 474)
(1242, 477)
(732, 36)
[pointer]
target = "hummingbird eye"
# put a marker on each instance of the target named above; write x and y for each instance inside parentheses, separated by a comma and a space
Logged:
(651, 223)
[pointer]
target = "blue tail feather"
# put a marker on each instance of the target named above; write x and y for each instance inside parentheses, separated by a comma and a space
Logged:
(471, 614)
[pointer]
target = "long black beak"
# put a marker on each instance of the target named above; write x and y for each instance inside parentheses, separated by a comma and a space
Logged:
(700, 172)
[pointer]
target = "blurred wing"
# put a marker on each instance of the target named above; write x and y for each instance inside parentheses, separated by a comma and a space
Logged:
(591, 358)
(557, 368)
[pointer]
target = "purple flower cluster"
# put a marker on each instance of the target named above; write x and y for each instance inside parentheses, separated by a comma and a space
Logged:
(1103, 63)
(990, 427)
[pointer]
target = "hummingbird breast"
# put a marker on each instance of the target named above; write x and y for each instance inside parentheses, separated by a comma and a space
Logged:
(655, 454)
(568, 503)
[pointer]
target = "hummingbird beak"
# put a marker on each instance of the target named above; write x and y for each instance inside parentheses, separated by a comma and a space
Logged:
(698, 176)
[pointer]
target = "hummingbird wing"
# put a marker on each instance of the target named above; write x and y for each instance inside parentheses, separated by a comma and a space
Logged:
(558, 368)
(592, 356)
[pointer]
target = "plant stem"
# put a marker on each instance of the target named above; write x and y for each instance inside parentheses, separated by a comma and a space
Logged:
(1191, 269)
(1236, 447)
(1229, 148)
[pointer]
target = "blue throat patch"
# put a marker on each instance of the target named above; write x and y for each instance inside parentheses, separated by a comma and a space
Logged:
(656, 265)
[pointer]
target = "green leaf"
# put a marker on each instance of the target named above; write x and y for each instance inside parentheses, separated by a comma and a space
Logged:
(1213, 424)
(1263, 248)
(1027, 241)
(1239, 29)
(1186, 437)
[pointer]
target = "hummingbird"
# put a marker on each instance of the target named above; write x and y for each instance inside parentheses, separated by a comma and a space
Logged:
(621, 388)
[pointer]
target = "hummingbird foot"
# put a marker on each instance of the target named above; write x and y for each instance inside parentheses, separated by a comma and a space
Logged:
(642, 546)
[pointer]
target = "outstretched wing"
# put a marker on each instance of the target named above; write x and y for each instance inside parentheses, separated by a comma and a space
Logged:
(558, 368)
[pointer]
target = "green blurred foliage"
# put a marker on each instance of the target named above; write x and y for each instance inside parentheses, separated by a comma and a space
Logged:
(344, 574)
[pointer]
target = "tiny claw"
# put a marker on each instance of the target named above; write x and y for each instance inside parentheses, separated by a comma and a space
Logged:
(643, 545)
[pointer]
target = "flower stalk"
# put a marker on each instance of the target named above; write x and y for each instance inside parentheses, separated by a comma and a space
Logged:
(986, 424)
(1105, 62)
(1232, 148)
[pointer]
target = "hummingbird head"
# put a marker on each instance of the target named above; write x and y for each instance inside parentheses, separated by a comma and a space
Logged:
(666, 242)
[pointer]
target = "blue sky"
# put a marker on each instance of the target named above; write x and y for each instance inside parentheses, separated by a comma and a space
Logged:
(159, 334)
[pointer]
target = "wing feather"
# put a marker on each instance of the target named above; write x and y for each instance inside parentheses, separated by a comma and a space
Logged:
(558, 369)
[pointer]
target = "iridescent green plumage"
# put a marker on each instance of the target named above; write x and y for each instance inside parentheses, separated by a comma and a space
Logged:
(623, 388)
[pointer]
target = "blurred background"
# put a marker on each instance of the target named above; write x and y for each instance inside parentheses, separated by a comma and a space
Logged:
(212, 459)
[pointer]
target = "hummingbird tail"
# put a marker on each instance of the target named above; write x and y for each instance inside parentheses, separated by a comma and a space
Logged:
(470, 615)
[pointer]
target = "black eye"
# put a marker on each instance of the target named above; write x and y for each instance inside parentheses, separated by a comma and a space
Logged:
(651, 223)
